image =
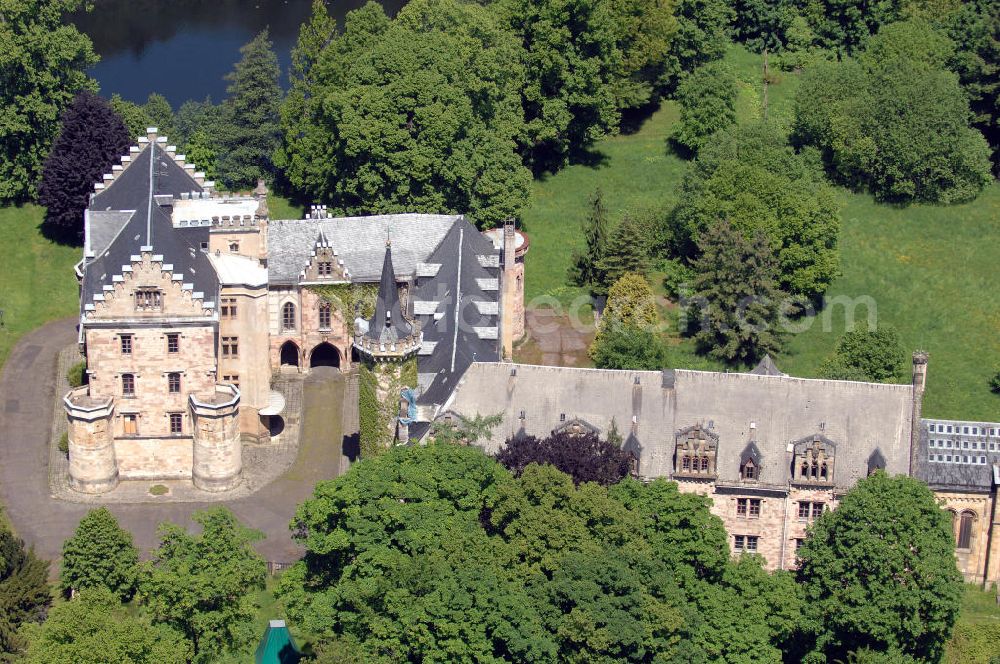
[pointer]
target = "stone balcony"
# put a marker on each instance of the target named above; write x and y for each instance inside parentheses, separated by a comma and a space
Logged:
(398, 350)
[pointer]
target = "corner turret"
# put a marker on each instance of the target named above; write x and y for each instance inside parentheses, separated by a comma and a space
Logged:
(387, 335)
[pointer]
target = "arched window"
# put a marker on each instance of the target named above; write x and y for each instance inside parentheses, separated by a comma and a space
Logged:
(128, 385)
(288, 316)
(324, 315)
(965, 523)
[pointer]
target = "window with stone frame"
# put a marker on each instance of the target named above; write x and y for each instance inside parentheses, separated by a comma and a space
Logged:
(748, 508)
(130, 424)
(814, 460)
(230, 347)
(966, 522)
(228, 310)
(287, 317)
(234, 247)
(128, 385)
(176, 423)
(324, 268)
(148, 299)
(809, 510)
(696, 453)
(745, 543)
(126, 341)
(173, 343)
(174, 383)
(233, 379)
(325, 315)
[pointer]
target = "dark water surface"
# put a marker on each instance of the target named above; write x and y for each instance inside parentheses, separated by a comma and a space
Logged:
(183, 48)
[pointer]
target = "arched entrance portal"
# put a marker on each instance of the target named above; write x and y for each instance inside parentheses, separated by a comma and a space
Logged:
(324, 355)
(289, 354)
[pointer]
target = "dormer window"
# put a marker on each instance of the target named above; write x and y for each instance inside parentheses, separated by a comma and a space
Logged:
(814, 458)
(696, 453)
(749, 470)
(148, 299)
(750, 463)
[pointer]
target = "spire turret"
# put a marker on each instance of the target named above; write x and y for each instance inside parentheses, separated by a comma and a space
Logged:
(389, 335)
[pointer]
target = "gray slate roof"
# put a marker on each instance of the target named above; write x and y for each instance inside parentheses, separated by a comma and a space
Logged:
(858, 417)
(358, 241)
(961, 461)
(132, 190)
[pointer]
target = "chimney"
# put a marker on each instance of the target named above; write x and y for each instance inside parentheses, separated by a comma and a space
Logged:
(920, 358)
(509, 244)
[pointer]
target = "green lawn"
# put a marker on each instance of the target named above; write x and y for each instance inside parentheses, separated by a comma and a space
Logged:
(977, 634)
(931, 270)
(36, 276)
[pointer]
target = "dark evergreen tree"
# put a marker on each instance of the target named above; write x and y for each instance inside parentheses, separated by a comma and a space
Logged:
(100, 554)
(588, 270)
(92, 139)
(736, 298)
(251, 132)
(628, 250)
(702, 36)
(24, 590)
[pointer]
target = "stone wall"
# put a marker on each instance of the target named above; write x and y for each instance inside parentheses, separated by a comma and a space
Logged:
(252, 366)
(153, 458)
(972, 561)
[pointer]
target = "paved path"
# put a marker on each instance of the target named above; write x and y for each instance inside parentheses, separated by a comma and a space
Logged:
(26, 394)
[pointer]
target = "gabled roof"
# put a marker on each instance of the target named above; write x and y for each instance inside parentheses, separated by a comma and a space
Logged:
(767, 367)
(876, 461)
(150, 173)
(751, 453)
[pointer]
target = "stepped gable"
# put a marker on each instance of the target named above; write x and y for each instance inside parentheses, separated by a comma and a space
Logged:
(767, 367)
(857, 417)
(132, 207)
(358, 241)
(455, 292)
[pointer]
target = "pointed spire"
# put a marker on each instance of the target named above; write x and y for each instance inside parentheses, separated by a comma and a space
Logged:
(388, 324)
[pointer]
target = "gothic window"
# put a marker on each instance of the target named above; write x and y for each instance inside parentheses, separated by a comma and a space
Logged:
(814, 460)
(287, 317)
(325, 315)
(965, 523)
(174, 383)
(128, 385)
(696, 452)
(148, 299)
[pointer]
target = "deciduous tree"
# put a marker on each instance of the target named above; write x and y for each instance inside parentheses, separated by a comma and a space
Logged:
(419, 114)
(585, 458)
(736, 297)
(629, 347)
(875, 355)
(201, 585)
(94, 628)
(879, 572)
(100, 554)
(43, 64)
(708, 103)
(91, 140)
(702, 36)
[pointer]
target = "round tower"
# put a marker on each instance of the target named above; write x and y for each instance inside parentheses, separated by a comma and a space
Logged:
(93, 467)
(218, 452)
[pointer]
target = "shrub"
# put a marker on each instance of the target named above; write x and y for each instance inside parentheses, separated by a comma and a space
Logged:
(995, 383)
(77, 374)
(158, 490)
(876, 356)
(585, 458)
(64, 443)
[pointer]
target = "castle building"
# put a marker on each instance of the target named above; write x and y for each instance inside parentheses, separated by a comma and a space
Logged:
(772, 451)
(191, 300)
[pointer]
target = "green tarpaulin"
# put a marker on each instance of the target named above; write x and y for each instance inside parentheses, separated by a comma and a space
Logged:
(277, 646)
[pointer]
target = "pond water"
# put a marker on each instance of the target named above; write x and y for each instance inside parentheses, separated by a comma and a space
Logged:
(184, 48)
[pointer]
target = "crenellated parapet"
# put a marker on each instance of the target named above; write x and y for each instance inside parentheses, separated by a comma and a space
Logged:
(218, 452)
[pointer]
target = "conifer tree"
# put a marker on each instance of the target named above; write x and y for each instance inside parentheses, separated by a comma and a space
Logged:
(24, 590)
(588, 268)
(92, 139)
(100, 554)
(736, 296)
(251, 132)
(628, 250)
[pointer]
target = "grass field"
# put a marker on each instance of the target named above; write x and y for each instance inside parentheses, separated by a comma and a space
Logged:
(36, 276)
(977, 634)
(930, 270)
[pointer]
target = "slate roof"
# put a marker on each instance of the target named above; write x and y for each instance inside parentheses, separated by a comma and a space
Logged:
(651, 409)
(387, 324)
(134, 189)
(961, 461)
(455, 285)
(358, 241)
